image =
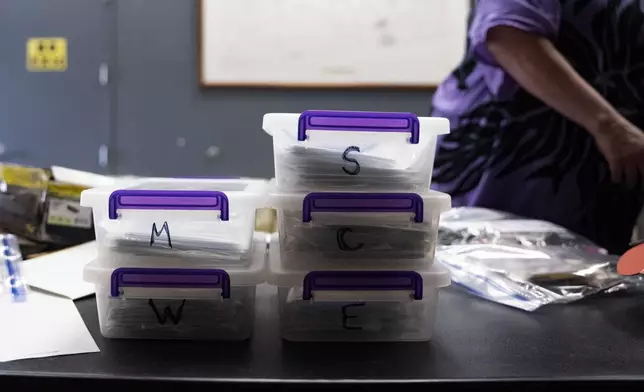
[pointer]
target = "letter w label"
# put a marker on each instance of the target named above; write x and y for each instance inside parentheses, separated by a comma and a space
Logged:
(167, 313)
(157, 233)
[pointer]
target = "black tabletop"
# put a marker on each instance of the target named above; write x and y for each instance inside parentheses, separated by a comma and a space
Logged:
(599, 340)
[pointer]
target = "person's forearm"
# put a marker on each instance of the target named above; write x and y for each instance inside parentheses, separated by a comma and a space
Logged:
(538, 67)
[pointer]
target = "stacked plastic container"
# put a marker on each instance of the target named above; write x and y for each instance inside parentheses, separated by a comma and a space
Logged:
(357, 225)
(177, 258)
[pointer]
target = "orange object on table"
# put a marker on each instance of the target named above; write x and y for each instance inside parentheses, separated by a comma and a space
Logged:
(632, 262)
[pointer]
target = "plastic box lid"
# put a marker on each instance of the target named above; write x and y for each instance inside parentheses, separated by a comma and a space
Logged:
(297, 124)
(356, 202)
(238, 188)
(395, 275)
(163, 278)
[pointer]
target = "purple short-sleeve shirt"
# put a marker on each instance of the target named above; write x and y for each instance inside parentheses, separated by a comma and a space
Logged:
(489, 80)
(510, 151)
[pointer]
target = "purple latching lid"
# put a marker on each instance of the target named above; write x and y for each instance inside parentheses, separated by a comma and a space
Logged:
(362, 202)
(170, 278)
(140, 199)
(362, 281)
(327, 120)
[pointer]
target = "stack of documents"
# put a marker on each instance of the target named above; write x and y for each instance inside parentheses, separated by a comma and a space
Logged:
(318, 167)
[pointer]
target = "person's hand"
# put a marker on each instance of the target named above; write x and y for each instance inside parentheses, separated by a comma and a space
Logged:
(622, 144)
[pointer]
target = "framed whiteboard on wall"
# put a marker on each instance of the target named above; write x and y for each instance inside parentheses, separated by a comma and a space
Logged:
(330, 43)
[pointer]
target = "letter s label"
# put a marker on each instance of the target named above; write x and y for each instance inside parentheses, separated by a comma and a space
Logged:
(354, 171)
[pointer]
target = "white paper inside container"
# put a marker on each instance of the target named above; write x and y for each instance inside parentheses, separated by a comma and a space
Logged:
(125, 256)
(434, 276)
(340, 154)
(194, 232)
(196, 312)
(380, 153)
(115, 253)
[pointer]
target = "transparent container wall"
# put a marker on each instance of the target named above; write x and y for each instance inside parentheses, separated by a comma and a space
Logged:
(367, 236)
(351, 160)
(127, 256)
(207, 218)
(353, 321)
(327, 150)
(194, 233)
(177, 318)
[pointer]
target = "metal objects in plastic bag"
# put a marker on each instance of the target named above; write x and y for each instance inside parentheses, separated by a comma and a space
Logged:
(521, 262)
(528, 278)
(467, 225)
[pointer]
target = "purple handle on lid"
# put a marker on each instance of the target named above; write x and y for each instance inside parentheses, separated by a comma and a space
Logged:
(328, 120)
(170, 278)
(362, 202)
(362, 281)
(138, 199)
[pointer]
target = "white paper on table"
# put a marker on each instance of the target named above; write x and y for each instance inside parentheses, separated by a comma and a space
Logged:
(42, 326)
(62, 272)
(79, 177)
(88, 179)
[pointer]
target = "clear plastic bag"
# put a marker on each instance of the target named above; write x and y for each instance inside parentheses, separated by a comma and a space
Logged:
(528, 278)
(13, 284)
(467, 225)
(520, 262)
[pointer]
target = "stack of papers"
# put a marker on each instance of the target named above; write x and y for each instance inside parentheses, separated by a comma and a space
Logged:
(316, 167)
(42, 326)
(62, 272)
(215, 247)
(46, 325)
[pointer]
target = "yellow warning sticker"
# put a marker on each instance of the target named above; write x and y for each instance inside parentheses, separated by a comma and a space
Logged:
(47, 54)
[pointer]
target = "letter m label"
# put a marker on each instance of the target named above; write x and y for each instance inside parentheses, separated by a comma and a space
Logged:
(158, 233)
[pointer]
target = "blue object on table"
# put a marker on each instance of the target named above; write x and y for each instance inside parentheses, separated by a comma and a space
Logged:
(12, 258)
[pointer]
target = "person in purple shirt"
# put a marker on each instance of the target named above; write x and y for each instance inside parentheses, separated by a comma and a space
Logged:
(546, 112)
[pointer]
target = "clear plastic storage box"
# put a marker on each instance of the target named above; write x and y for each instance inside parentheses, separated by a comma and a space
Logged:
(174, 302)
(190, 218)
(339, 226)
(327, 150)
(373, 303)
